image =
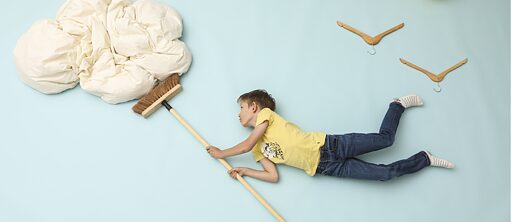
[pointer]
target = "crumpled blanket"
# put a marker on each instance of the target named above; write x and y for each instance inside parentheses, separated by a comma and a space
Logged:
(115, 49)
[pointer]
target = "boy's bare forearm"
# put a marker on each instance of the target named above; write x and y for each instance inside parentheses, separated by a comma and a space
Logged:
(236, 150)
(243, 147)
(261, 175)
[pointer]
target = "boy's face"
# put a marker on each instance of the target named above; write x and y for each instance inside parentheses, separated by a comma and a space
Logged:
(247, 113)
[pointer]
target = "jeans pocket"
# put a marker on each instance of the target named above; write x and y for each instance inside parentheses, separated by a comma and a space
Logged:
(330, 147)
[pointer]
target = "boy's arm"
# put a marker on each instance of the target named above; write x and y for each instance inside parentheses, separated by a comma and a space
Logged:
(269, 174)
(243, 147)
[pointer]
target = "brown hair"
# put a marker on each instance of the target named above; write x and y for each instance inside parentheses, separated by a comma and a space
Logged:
(262, 98)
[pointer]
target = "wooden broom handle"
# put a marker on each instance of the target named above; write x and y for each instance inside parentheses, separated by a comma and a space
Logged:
(228, 167)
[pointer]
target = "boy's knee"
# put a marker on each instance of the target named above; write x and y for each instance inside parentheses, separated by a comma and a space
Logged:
(387, 140)
(388, 176)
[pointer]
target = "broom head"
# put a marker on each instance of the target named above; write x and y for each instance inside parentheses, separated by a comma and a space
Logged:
(164, 91)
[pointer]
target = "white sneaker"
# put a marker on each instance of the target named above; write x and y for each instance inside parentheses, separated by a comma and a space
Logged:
(409, 101)
(435, 161)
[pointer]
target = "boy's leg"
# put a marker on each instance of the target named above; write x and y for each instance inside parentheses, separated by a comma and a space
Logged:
(355, 168)
(354, 144)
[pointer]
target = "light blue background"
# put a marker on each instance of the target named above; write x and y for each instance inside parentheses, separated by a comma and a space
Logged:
(73, 157)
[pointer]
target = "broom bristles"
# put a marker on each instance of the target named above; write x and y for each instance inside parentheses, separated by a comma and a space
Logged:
(156, 94)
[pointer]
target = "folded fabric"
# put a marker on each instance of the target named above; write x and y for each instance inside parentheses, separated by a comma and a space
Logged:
(115, 49)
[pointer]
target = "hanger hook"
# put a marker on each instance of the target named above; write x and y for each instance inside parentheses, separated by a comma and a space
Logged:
(439, 88)
(372, 51)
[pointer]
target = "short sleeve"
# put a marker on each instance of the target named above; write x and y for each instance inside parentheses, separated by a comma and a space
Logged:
(263, 115)
(256, 151)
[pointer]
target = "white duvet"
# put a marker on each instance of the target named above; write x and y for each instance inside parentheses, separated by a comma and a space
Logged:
(115, 49)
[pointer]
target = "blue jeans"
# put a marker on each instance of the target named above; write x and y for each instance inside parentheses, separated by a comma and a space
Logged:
(338, 153)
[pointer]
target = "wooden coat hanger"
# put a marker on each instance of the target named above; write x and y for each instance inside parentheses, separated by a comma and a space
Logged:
(367, 38)
(435, 78)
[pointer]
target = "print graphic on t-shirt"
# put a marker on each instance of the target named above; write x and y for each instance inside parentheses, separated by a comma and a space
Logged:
(272, 150)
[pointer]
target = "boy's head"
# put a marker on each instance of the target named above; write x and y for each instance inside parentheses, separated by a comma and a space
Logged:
(260, 97)
(251, 103)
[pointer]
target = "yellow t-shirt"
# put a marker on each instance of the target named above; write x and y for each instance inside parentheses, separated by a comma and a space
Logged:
(285, 143)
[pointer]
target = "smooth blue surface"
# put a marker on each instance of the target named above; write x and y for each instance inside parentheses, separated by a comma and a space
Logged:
(72, 157)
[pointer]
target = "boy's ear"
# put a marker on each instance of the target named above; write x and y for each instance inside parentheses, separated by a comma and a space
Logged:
(253, 107)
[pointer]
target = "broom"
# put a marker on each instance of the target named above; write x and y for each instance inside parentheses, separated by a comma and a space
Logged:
(159, 96)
